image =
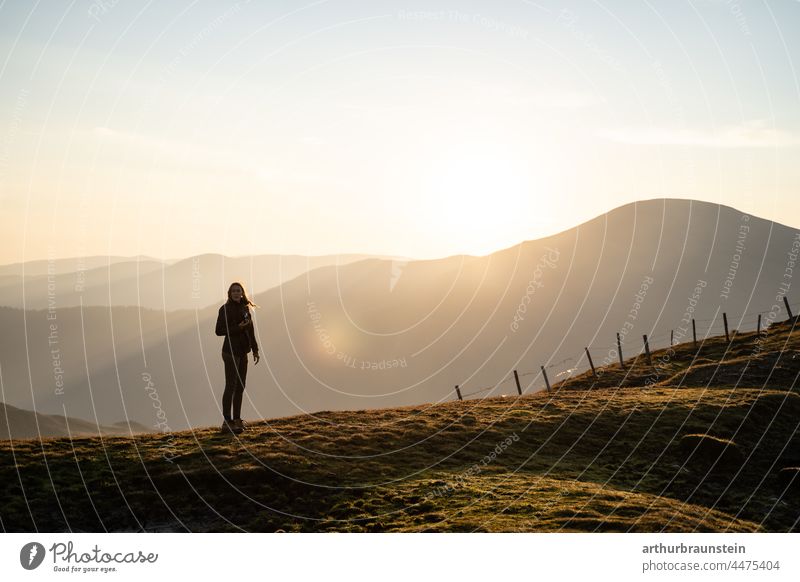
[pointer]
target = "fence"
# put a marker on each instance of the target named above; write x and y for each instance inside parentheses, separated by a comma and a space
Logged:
(720, 326)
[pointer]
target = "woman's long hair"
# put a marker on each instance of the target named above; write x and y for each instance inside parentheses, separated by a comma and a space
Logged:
(245, 300)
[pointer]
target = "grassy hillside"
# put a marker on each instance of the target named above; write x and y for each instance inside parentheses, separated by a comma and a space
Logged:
(707, 442)
(751, 359)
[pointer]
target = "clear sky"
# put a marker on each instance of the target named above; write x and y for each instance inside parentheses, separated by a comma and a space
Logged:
(421, 129)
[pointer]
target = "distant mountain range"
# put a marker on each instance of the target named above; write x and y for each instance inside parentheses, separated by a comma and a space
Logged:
(25, 424)
(189, 283)
(385, 332)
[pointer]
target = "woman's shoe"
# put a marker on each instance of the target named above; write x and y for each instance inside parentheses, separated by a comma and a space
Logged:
(228, 427)
(238, 425)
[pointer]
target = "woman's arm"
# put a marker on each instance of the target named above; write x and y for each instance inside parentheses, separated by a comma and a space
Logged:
(221, 322)
(251, 331)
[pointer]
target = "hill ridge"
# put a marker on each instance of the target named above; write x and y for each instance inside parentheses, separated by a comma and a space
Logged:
(662, 458)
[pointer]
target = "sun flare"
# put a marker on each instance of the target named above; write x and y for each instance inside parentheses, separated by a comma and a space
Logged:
(476, 193)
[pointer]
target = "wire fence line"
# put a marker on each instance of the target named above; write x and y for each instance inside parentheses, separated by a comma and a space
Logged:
(720, 324)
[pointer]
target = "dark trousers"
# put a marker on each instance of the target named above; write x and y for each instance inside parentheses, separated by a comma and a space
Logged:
(235, 377)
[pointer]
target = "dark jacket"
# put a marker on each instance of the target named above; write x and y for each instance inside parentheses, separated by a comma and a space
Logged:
(238, 341)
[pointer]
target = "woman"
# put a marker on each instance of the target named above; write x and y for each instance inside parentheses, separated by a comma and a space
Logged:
(235, 323)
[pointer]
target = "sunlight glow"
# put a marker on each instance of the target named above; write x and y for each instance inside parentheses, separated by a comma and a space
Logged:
(476, 193)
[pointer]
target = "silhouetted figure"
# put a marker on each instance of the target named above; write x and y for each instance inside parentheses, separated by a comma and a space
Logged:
(236, 324)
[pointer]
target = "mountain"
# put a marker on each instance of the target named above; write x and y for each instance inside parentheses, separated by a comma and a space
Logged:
(190, 283)
(683, 455)
(41, 267)
(16, 423)
(384, 333)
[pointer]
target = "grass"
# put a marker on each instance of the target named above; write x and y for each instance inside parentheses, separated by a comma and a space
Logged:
(606, 454)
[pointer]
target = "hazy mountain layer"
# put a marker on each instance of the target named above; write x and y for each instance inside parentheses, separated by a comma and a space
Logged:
(189, 283)
(381, 333)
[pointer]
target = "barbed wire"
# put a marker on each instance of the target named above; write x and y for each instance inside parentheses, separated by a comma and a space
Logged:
(651, 340)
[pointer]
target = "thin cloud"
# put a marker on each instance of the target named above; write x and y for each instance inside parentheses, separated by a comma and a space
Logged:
(567, 100)
(543, 100)
(755, 134)
(175, 150)
(197, 154)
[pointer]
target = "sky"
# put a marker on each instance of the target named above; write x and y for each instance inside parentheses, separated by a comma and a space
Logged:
(419, 129)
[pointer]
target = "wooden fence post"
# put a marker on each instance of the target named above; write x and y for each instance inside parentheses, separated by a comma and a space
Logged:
(758, 326)
(458, 392)
(788, 309)
(591, 363)
(671, 337)
(516, 379)
(725, 321)
(546, 381)
(647, 349)
(619, 350)
(694, 333)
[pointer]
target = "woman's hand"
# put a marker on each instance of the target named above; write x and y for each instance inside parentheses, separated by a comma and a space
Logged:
(256, 358)
(244, 323)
